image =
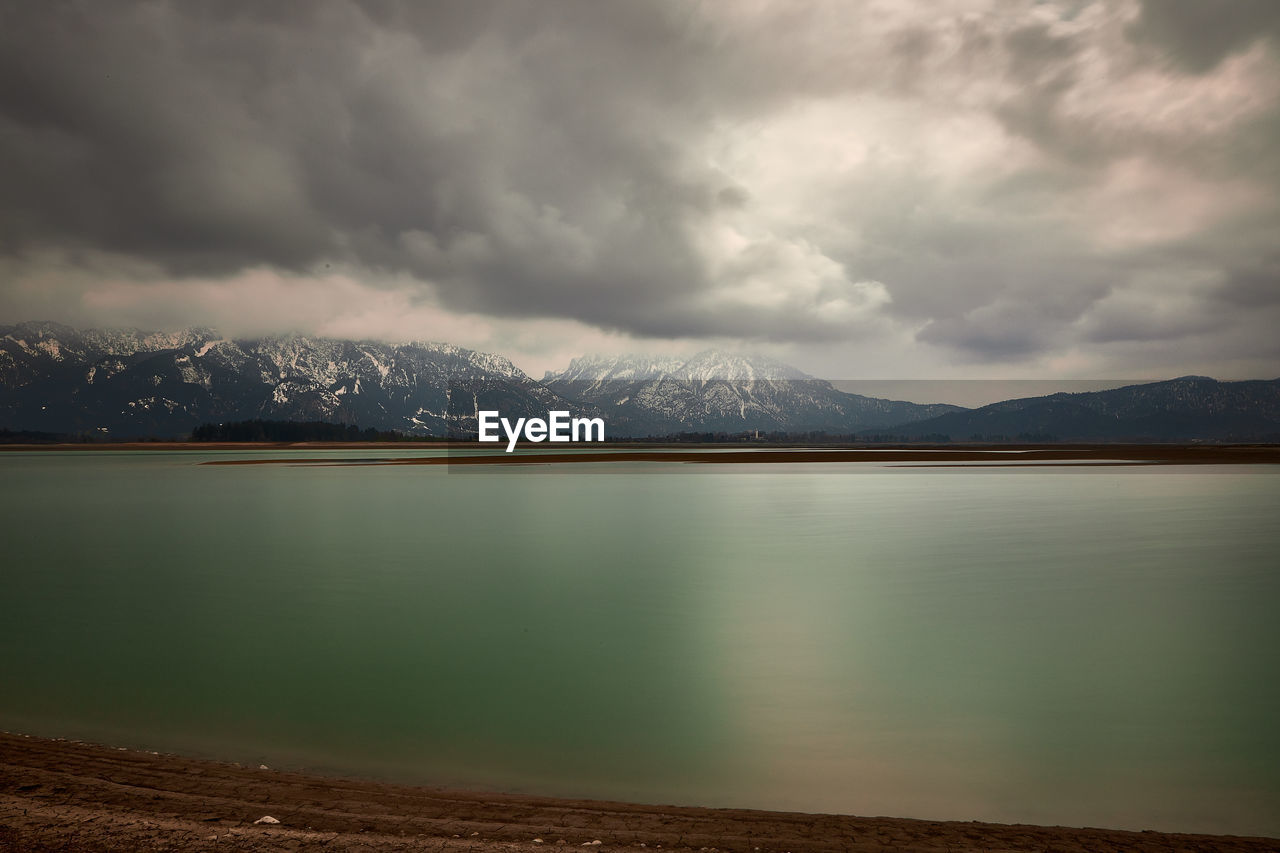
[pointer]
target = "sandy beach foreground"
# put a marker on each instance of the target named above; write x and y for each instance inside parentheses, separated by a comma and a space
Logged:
(65, 795)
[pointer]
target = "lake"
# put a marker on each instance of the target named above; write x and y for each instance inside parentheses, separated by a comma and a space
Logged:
(1067, 645)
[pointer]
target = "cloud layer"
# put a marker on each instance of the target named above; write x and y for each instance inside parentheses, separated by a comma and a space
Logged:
(1069, 186)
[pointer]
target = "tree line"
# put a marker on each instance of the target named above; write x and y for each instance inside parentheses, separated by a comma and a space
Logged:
(295, 431)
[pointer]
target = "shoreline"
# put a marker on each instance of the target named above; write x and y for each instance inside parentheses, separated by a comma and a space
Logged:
(459, 453)
(68, 795)
(1104, 455)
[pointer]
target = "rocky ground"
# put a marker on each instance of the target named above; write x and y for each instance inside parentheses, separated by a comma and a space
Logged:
(63, 795)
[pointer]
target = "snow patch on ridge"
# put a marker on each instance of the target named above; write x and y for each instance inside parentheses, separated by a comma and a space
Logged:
(208, 345)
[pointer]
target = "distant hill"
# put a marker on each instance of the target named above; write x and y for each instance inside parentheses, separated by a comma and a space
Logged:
(1190, 408)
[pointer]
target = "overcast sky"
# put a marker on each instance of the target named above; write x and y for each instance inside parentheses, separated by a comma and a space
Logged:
(972, 188)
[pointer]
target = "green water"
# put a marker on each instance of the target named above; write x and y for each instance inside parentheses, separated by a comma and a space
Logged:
(1074, 646)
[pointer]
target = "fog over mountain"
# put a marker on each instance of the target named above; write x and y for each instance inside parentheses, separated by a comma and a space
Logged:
(967, 188)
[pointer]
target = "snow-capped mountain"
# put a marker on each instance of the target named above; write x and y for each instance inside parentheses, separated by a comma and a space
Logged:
(718, 391)
(56, 379)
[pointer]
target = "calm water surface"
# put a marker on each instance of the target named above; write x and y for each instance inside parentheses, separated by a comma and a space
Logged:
(1066, 645)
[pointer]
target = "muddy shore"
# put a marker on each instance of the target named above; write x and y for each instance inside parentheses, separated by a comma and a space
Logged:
(65, 795)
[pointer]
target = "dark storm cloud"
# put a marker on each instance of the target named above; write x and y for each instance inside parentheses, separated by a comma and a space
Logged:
(1197, 35)
(132, 129)
(1254, 283)
(999, 183)
(211, 137)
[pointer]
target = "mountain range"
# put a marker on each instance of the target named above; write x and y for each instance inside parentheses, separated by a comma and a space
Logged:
(126, 383)
(110, 382)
